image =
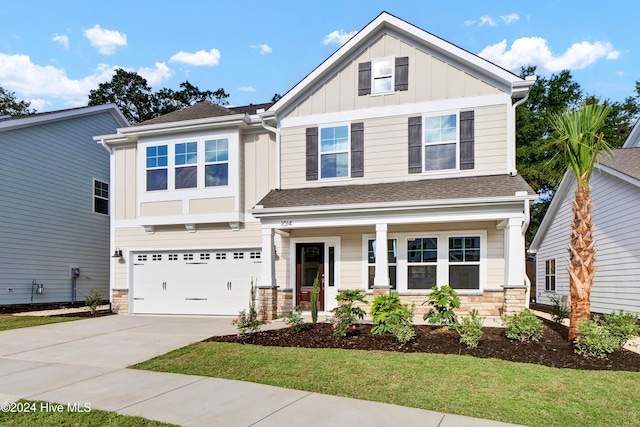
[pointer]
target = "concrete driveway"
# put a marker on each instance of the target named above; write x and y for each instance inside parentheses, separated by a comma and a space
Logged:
(84, 362)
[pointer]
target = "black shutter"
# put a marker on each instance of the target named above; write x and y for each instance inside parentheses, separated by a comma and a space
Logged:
(357, 150)
(364, 78)
(402, 73)
(415, 144)
(312, 154)
(467, 140)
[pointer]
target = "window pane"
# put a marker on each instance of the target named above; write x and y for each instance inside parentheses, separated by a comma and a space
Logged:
(101, 205)
(216, 150)
(438, 157)
(156, 179)
(421, 276)
(382, 85)
(187, 177)
(393, 276)
(186, 153)
(335, 165)
(157, 156)
(216, 175)
(382, 68)
(334, 139)
(464, 276)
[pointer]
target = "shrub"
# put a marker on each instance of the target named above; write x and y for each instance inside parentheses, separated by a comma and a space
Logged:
(93, 300)
(559, 310)
(470, 329)
(346, 315)
(381, 308)
(594, 340)
(315, 295)
(294, 319)
(400, 324)
(622, 326)
(247, 321)
(443, 300)
(523, 326)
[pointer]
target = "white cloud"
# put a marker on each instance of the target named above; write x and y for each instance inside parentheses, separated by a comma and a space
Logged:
(157, 75)
(198, 58)
(63, 40)
(339, 37)
(38, 104)
(262, 48)
(535, 51)
(106, 41)
(510, 18)
(469, 22)
(487, 20)
(247, 89)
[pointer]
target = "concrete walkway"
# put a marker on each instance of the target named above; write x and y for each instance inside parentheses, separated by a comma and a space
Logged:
(84, 362)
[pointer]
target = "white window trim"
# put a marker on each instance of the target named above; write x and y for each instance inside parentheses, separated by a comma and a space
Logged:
(108, 198)
(393, 75)
(348, 151)
(550, 291)
(186, 165)
(442, 279)
(424, 143)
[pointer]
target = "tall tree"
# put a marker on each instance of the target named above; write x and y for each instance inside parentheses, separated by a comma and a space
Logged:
(11, 106)
(579, 137)
(169, 100)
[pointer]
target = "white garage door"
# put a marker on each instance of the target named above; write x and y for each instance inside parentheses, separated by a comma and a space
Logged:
(194, 282)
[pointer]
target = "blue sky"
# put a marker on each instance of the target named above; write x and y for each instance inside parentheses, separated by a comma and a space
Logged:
(53, 52)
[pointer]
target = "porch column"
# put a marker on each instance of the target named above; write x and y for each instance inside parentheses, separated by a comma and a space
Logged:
(514, 268)
(381, 278)
(268, 271)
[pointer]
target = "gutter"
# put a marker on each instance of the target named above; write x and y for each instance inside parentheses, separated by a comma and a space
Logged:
(276, 132)
(528, 83)
(105, 146)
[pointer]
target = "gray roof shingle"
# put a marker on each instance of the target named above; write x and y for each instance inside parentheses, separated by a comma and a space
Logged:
(625, 160)
(201, 110)
(422, 190)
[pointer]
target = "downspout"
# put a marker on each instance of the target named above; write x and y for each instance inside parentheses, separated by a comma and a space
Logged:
(515, 148)
(277, 134)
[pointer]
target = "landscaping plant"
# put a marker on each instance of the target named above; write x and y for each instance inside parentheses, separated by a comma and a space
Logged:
(594, 340)
(294, 319)
(315, 296)
(93, 300)
(400, 324)
(470, 329)
(381, 308)
(247, 321)
(559, 310)
(622, 326)
(346, 315)
(442, 300)
(523, 326)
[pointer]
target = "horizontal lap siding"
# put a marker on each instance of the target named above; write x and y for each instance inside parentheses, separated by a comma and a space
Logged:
(46, 205)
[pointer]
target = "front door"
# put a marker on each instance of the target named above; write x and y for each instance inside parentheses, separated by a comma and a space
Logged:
(309, 265)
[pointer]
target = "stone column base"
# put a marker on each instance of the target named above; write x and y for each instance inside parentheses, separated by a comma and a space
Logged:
(120, 301)
(381, 290)
(514, 300)
(267, 302)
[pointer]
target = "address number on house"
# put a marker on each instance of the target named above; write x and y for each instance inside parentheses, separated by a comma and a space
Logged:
(286, 223)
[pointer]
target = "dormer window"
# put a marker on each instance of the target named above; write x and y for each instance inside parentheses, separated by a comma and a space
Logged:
(382, 75)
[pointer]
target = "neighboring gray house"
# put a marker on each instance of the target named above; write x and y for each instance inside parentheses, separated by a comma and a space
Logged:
(54, 205)
(616, 203)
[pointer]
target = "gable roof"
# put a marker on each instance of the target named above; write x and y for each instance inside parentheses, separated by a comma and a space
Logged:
(429, 191)
(10, 123)
(385, 22)
(201, 110)
(633, 140)
(624, 160)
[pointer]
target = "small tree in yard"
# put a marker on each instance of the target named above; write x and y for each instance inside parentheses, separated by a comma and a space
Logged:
(93, 300)
(578, 135)
(315, 297)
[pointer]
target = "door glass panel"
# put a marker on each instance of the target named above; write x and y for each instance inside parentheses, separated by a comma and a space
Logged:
(310, 264)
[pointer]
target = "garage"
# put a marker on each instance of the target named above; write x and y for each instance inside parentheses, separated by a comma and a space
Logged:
(194, 282)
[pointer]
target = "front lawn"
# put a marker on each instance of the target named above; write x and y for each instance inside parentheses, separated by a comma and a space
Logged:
(8, 321)
(518, 393)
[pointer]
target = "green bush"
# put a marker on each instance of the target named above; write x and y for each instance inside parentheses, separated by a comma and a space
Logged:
(559, 310)
(470, 329)
(400, 324)
(622, 326)
(346, 315)
(594, 340)
(93, 300)
(247, 321)
(523, 326)
(442, 300)
(381, 308)
(294, 319)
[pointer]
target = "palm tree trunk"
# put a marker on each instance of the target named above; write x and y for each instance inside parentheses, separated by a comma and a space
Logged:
(581, 257)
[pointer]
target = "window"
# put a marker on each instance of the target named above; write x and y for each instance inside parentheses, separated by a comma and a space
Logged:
(100, 197)
(216, 158)
(186, 161)
(422, 259)
(382, 75)
(550, 275)
(392, 257)
(464, 262)
(440, 142)
(334, 152)
(157, 164)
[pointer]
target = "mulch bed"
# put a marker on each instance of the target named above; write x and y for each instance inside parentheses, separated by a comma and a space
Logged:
(553, 349)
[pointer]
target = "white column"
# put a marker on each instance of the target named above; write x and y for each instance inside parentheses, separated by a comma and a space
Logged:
(268, 270)
(514, 268)
(381, 278)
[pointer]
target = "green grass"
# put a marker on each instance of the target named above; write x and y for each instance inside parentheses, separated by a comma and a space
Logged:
(486, 388)
(8, 321)
(93, 418)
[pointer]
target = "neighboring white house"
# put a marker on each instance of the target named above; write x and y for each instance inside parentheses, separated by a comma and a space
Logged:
(390, 167)
(616, 203)
(54, 205)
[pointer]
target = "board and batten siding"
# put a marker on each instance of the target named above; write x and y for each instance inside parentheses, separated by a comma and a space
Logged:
(386, 151)
(616, 230)
(430, 79)
(47, 223)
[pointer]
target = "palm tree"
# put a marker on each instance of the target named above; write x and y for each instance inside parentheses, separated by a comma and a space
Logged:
(578, 134)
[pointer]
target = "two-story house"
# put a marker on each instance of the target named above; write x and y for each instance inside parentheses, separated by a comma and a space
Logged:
(390, 167)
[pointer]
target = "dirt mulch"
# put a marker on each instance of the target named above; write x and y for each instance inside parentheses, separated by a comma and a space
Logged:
(553, 349)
